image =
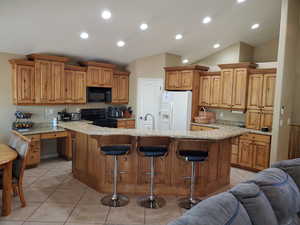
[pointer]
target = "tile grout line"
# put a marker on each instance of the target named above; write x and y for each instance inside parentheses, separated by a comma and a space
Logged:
(75, 206)
(106, 217)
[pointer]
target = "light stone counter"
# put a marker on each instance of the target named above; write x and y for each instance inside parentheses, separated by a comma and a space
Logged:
(221, 126)
(218, 134)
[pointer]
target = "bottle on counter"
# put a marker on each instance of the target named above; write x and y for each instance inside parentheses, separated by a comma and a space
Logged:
(54, 122)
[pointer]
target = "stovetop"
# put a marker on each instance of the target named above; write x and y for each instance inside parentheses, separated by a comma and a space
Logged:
(99, 117)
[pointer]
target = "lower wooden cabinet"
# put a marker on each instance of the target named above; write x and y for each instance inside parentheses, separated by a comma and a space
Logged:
(34, 155)
(201, 128)
(129, 124)
(251, 151)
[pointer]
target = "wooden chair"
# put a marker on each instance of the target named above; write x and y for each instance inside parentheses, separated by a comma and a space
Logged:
(21, 145)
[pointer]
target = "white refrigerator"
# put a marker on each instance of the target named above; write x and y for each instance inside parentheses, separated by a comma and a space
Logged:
(175, 110)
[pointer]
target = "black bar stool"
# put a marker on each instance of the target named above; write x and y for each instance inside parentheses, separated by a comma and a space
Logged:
(115, 146)
(193, 151)
(152, 147)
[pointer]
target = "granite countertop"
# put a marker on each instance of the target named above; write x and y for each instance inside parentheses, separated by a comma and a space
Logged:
(218, 134)
(219, 126)
(40, 130)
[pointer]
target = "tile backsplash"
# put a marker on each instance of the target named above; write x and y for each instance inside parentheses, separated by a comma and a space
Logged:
(227, 115)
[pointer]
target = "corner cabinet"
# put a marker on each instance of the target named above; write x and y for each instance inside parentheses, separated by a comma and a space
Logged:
(120, 87)
(261, 94)
(99, 74)
(23, 81)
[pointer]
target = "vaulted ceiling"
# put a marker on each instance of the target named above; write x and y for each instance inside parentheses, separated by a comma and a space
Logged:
(54, 26)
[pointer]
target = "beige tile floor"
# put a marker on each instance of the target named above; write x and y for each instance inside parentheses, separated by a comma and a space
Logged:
(54, 197)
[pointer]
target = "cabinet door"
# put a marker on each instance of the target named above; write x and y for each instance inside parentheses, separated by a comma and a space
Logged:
(269, 83)
(24, 84)
(186, 80)
(226, 88)
(43, 81)
(106, 77)
(79, 87)
(245, 153)
(204, 98)
(253, 118)
(255, 89)
(115, 89)
(172, 80)
(69, 86)
(215, 85)
(240, 80)
(123, 89)
(93, 77)
(57, 83)
(266, 119)
(261, 155)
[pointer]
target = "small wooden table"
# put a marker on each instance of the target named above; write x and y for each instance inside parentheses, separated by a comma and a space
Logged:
(7, 155)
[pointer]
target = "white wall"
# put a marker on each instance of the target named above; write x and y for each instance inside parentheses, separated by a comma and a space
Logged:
(286, 77)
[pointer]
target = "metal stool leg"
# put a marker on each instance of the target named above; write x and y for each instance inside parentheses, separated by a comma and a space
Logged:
(151, 201)
(187, 203)
(115, 200)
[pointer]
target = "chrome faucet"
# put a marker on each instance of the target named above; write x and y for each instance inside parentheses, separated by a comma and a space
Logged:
(153, 119)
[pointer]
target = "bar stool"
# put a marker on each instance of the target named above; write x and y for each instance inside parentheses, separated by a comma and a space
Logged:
(115, 146)
(189, 150)
(152, 147)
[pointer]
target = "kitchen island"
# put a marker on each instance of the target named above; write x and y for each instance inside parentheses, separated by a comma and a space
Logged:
(91, 167)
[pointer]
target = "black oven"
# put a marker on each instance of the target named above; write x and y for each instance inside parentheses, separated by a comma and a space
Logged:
(96, 94)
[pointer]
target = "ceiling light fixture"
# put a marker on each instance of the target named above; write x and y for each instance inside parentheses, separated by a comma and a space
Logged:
(106, 14)
(144, 26)
(185, 61)
(178, 36)
(217, 45)
(206, 20)
(255, 26)
(240, 1)
(84, 35)
(120, 44)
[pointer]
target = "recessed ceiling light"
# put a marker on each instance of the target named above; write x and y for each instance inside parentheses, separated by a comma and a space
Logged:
(106, 14)
(84, 35)
(255, 26)
(144, 26)
(240, 1)
(185, 61)
(217, 45)
(178, 36)
(206, 20)
(120, 43)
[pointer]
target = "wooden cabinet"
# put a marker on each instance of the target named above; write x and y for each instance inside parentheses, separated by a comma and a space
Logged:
(182, 77)
(258, 119)
(240, 82)
(120, 88)
(75, 85)
(227, 76)
(34, 155)
(205, 91)
(253, 152)
(129, 124)
(99, 74)
(234, 150)
(261, 91)
(209, 89)
(23, 82)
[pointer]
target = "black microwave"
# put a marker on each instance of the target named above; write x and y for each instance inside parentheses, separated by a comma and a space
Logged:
(96, 94)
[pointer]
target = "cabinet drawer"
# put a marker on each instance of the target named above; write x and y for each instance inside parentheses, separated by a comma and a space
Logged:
(34, 137)
(54, 135)
(256, 137)
(131, 124)
(201, 128)
(122, 124)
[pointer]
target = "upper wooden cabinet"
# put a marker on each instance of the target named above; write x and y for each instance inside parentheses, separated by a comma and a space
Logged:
(209, 89)
(75, 84)
(23, 81)
(182, 78)
(99, 74)
(234, 85)
(120, 87)
(261, 89)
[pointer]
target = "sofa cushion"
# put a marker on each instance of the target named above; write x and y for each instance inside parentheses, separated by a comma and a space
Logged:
(292, 167)
(281, 191)
(256, 204)
(221, 209)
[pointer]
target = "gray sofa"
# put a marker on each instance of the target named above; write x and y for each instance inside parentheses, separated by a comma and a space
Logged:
(272, 197)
